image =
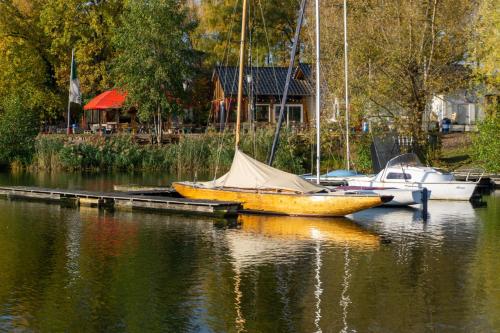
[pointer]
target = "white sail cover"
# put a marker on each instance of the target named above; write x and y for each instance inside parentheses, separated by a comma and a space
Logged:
(248, 173)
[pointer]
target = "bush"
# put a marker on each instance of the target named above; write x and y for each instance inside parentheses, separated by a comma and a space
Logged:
(362, 158)
(47, 150)
(486, 144)
(18, 130)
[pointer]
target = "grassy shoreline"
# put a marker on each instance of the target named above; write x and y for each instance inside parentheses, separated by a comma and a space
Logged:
(192, 154)
(212, 153)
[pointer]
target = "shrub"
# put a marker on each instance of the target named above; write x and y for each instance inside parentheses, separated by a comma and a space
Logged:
(486, 144)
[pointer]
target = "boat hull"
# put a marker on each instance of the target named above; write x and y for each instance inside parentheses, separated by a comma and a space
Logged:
(402, 197)
(453, 190)
(328, 204)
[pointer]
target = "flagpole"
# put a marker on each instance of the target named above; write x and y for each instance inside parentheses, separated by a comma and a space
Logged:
(68, 128)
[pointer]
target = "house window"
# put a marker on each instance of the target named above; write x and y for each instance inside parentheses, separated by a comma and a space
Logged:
(294, 113)
(262, 112)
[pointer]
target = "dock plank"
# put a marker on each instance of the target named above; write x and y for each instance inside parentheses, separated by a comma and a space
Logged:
(124, 200)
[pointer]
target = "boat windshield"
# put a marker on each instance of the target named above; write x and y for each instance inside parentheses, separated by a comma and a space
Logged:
(405, 160)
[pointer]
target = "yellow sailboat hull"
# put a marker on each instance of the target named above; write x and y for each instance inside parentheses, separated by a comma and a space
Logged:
(319, 204)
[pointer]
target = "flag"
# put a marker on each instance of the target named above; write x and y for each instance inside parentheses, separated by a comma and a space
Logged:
(75, 95)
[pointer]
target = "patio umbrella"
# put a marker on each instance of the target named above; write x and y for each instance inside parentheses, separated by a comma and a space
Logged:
(111, 99)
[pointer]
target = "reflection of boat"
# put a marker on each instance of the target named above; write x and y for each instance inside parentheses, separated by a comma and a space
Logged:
(339, 231)
(261, 188)
(440, 215)
(267, 238)
(406, 171)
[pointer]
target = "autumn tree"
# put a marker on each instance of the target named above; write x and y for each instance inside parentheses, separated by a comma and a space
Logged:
(154, 57)
(87, 27)
(271, 27)
(401, 54)
(25, 62)
(485, 51)
(36, 39)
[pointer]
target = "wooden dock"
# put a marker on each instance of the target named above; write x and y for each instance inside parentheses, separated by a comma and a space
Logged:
(120, 200)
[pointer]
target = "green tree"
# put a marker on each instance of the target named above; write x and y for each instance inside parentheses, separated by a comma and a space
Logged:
(18, 129)
(154, 57)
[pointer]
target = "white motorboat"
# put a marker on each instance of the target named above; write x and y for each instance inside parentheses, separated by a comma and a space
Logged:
(401, 197)
(407, 172)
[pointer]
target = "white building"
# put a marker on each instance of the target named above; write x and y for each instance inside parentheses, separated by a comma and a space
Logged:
(463, 108)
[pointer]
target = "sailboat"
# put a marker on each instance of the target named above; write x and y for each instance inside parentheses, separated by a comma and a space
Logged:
(264, 189)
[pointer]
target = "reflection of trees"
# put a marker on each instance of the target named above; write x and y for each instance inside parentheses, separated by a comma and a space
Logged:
(129, 276)
(32, 254)
(70, 270)
(418, 282)
(485, 269)
(151, 285)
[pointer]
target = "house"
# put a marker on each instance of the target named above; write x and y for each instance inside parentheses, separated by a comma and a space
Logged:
(462, 107)
(262, 91)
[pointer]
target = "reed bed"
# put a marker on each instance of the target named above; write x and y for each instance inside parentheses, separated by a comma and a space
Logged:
(196, 153)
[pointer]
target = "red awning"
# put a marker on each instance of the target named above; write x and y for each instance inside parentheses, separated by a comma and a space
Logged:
(111, 99)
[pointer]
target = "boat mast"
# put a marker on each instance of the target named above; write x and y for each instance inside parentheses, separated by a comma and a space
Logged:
(318, 96)
(241, 72)
(287, 82)
(346, 73)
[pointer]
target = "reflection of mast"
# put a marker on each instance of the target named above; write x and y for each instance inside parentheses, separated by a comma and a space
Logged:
(239, 321)
(318, 291)
(73, 249)
(345, 300)
(283, 290)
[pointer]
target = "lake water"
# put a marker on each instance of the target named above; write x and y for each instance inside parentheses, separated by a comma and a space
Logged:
(381, 270)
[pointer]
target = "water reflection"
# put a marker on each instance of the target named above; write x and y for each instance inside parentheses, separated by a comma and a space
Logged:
(87, 270)
(408, 220)
(262, 239)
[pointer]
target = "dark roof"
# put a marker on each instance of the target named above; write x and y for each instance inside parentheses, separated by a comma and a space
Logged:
(305, 69)
(268, 81)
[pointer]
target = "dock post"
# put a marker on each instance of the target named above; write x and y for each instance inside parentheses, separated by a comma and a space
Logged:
(425, 200)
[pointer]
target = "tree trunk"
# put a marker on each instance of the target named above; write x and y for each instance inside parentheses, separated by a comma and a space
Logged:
(159, 129)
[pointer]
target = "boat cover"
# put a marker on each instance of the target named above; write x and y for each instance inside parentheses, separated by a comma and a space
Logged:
(341, 173)
(248, 173)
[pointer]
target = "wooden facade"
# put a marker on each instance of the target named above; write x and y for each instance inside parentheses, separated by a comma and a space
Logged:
(262, 96)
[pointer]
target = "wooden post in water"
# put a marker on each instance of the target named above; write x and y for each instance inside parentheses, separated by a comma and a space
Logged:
(425, 201)
(241, 72)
